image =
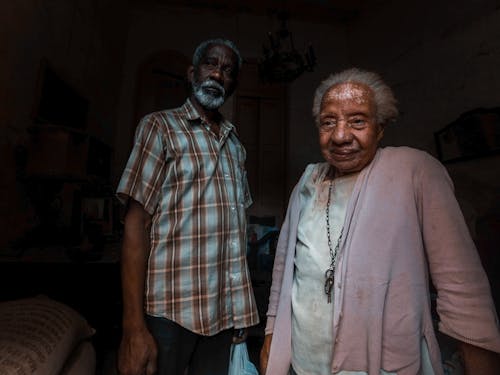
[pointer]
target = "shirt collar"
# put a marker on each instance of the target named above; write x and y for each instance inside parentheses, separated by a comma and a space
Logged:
(192, 114)
(190, 110)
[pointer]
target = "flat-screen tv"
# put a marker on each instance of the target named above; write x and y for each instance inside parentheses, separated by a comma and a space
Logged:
(57, 102)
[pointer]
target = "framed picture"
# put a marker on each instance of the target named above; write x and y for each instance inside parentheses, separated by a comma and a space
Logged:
(474, 134)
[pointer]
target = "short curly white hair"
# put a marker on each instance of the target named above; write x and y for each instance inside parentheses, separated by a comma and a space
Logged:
(201, 49)
(385, 102)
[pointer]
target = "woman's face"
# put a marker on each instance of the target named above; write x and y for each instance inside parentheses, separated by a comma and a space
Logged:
(348, 131)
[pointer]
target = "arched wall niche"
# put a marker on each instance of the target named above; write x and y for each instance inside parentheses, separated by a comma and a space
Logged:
(161, 83)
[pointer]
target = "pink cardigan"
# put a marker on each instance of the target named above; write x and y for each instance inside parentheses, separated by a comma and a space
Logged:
(402, 221)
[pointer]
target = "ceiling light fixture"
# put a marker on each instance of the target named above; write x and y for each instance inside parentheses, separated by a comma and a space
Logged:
(281, 61)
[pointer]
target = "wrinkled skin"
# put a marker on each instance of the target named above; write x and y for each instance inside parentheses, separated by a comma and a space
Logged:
(348, 132)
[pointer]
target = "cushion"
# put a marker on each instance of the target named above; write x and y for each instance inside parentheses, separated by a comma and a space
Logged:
(82, 361)
(37, 335)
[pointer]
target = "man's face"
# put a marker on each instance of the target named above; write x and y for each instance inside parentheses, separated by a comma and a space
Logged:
(214, 79)
(348, 132)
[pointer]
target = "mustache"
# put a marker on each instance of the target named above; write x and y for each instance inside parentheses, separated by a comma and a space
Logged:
(211, 84)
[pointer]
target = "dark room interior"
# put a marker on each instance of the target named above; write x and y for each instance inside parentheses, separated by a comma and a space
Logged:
(76, 76)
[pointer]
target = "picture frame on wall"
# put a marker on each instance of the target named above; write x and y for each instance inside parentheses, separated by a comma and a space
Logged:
(474, 134)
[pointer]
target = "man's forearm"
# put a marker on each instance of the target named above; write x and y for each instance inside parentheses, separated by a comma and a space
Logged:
(135, 253)
(133, 278)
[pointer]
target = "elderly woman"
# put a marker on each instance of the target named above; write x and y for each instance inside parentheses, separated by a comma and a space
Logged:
(363, 231)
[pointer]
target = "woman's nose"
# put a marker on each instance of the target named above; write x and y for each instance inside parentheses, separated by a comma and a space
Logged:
(341, 133)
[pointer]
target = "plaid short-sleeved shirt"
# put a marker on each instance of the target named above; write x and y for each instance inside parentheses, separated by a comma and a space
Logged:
(194, 185)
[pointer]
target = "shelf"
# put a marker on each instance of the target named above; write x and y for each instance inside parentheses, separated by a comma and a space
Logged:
(63, 153)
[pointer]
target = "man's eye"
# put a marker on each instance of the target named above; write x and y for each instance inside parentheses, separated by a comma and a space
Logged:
(210, 62)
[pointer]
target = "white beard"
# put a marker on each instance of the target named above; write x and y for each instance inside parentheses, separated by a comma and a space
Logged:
(206, 98)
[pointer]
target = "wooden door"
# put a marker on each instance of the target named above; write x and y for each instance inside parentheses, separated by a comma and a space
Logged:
(260, 116)
(161, 83)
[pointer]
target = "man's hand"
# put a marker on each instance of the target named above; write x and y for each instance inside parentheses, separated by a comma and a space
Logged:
(264, 353)
(137, 354)
(240, 335)
(138, 350)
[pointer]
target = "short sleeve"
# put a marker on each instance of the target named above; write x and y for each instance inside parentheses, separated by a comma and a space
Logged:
(246, 191)
(144, 173)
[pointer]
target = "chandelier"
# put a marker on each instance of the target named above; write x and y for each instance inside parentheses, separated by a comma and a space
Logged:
(281, 62)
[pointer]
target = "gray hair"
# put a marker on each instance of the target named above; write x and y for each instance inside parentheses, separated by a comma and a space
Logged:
(385, 102)
(200, 51)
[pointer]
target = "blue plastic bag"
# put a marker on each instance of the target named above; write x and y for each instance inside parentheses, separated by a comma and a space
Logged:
(239, 363)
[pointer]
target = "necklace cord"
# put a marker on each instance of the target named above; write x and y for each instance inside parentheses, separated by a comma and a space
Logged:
(330, 272)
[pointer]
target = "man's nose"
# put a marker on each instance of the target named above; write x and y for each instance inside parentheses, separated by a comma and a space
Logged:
(216, 73)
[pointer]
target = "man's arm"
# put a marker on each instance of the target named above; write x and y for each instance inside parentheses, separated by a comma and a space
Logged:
(138, 351)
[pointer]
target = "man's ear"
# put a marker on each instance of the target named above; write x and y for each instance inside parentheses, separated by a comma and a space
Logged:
(190, 73)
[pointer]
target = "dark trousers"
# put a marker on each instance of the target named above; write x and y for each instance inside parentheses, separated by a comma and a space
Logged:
(180, 349)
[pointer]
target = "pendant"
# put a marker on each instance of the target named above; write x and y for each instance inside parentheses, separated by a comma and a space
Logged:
(329, 283)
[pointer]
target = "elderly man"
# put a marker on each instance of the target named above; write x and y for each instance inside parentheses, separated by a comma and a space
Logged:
(350, 292)
(187, 293)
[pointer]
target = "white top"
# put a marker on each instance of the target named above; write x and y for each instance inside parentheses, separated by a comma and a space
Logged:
(312, 323)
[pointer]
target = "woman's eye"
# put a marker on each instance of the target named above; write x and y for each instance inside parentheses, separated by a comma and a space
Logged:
(327, 123)
(357, 122)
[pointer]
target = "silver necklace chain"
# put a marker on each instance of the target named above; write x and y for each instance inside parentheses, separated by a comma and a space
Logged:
(330, 272)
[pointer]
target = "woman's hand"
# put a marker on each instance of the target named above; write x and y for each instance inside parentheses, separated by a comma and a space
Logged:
(479, 361)
(264, 353)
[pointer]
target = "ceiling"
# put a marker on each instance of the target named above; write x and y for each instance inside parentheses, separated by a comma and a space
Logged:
(323, 11)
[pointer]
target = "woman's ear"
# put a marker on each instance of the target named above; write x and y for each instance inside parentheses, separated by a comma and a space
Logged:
(380, 134)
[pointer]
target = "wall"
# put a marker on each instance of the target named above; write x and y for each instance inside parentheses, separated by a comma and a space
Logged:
(154, 29)
(442, 60)
(83, 41)
(331, 48)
